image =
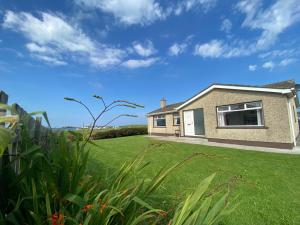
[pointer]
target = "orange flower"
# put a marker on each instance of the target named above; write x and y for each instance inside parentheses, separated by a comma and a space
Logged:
(103, 207)
(61, 219)
(58, 219)
(54, 219)
(163, 213)
(87, 207)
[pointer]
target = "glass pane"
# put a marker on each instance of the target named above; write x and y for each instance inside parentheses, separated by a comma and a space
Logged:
(199, 122)
(237, 106)
(248, 117)
(253, 104)
(223, 108)
(176, 121)
(161, 122)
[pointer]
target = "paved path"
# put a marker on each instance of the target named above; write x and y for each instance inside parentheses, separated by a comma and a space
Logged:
(203, 141)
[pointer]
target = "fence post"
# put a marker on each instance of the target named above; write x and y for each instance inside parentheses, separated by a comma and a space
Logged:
(16, 110)
(4, 100)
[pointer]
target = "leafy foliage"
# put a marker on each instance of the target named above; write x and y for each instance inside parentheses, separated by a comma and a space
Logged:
(54, 187)
(120, 132)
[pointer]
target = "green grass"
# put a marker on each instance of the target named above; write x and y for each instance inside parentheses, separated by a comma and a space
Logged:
(268, 189)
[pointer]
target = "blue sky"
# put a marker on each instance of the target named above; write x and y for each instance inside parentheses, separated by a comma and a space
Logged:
(140, 50)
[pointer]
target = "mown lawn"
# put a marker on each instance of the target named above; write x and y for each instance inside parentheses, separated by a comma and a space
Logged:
(268, 189)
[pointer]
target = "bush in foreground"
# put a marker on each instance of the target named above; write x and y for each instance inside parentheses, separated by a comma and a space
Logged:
(52, 186)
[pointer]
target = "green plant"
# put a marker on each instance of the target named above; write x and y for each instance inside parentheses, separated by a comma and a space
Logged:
(53, 187)
(6, 134)
(119, 132)
(106, 108)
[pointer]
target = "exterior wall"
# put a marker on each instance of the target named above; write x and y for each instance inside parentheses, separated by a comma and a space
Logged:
(295, 118)
(275, 115)
(168, 130)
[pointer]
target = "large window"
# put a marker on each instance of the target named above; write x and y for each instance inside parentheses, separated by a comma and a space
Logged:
(159, 121)
(242, 114)
(176, 119)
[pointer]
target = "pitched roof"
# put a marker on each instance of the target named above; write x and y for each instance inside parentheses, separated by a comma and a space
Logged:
(168, 108)
(282, 87)
(282, 84)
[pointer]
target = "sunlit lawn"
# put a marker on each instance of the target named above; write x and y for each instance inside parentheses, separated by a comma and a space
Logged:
(268, 189)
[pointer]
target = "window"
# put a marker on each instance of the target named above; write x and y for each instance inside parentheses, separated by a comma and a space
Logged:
(176, 119)
(160, 121)
(242, 114)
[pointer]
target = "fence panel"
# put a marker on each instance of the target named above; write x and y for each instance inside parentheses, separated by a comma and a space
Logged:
(35, 130)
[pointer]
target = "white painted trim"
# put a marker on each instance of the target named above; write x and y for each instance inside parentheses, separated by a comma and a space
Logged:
(291, 120)
(228, 87)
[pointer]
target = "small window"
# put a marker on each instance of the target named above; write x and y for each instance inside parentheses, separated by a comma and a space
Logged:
(160, 121)
(223, 108)
(253, 105)
(237, 106)
(176, 119)
(243, 114)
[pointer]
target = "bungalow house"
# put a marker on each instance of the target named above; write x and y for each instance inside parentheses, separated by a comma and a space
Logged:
(238, 114)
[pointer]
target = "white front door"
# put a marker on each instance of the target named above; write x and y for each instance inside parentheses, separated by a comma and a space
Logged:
(189, 128)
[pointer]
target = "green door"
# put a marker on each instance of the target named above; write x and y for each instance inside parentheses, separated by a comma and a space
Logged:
(199, 122)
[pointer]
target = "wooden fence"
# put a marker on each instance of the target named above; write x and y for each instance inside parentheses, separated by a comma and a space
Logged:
(36, 131)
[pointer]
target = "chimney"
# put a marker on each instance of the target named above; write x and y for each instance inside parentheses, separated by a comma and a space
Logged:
(163, 103)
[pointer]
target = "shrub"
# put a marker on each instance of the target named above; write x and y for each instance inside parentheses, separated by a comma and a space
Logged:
(121, 132)
(53, 187)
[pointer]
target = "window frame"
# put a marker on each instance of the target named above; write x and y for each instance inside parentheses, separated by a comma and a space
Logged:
(154, 117)
(174, 124)
(260, 107)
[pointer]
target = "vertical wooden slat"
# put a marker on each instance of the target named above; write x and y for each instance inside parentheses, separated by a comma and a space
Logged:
(16, 110)
(36, 131)
(4, 100)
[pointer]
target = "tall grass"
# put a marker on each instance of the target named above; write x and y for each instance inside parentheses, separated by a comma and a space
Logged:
(54, 187)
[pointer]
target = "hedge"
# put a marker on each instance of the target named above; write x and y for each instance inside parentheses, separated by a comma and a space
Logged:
(121, 132)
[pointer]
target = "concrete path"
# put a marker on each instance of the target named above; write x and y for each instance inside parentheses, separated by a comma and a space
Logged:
(203, 141)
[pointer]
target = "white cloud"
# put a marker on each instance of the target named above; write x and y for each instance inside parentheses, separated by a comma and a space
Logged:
(220, 49)
(252, 67)
(146, 49)
(129, 11)
(268, 65)
(279, 53)
(52, 39)
(212, 49)
(271, 21)
(187, 5)
(177, 49)
(50, 60)
(226, 25)
(137, 63)
(286, 62)
(144, 12)
(35, 48)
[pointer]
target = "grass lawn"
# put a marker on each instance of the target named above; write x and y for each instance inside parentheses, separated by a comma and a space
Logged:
(268, 189)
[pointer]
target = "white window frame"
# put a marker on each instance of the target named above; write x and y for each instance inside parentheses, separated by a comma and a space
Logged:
(220, 114)
(155, 118)
(175, 117)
